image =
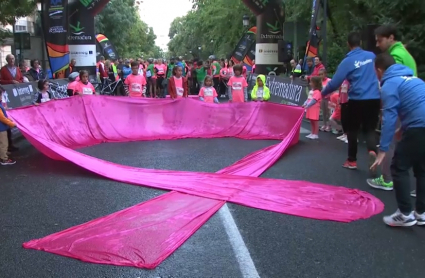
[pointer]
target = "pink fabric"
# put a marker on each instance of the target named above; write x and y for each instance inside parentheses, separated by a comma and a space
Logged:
(144, 235)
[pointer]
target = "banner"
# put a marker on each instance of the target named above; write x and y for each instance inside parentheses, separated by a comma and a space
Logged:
(250, 56)
(107, 48)
(244, 45)
(256, 6)
(94, 6)
(313, 41)
(81, 38)
(55, 28)
(269, 32)
(283, 90)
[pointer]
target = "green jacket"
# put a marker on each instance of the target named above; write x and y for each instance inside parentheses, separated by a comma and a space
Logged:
(266, 90)
(402, 56)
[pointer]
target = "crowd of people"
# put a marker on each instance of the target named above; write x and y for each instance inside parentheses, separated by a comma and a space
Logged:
(363, 88)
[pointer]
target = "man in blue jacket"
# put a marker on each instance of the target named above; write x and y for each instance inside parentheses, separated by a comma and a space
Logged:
(364, 97)
(403, 96)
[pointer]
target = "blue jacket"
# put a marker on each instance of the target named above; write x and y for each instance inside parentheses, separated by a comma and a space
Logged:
(403, 96)
(3, 126)
(358, 68)
(180, 64)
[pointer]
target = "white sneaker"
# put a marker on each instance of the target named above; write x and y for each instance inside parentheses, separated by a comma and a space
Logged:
(314, 137)
(345, 141)
(309, 136)
(342, 137)
(420, 218)
(398, 219)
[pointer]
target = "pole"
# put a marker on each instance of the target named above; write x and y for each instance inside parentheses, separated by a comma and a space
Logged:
(324, 33)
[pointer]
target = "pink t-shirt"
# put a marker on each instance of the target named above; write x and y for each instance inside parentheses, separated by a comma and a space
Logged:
(237, 83)
(208, 93)
(84, 89)
(135, 85)
(324, 83)
(343, 92)
(161, 69)
(179, 86)
(72, 85)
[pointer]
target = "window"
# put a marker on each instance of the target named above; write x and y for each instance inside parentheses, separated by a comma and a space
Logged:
(20, 28)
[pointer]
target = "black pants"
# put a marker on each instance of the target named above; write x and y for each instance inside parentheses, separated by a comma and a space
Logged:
(344, 117)
(364, 114)
(216, 82)
(409, 153)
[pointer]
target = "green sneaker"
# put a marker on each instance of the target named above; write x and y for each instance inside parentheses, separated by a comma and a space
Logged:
(379, 183)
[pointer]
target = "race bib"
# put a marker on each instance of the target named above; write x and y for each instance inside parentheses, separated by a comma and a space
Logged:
(237, 85)
(160, 71)
(208, 92)
(180, 91)
(87, 91)
(148, 73)
(135, 87)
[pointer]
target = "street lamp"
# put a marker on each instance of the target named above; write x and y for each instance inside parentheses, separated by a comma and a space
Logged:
(43, 47)
(199, 51)
(245, 21)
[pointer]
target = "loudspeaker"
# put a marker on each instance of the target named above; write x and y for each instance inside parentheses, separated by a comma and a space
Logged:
(368, 38)
(285, 51)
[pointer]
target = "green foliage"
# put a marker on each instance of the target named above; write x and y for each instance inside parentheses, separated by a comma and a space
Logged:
(11, 9)
(122, 25)
(215, 25)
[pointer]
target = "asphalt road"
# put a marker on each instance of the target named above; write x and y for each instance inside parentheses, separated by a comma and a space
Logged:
(39, 196)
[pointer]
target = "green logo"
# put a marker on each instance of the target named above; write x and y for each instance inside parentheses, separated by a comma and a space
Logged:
(77, 30)
(274, 29)
(86, 2)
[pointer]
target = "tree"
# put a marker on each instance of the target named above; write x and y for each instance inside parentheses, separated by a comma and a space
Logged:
(214, 25)
(12, 9)
(122, 25)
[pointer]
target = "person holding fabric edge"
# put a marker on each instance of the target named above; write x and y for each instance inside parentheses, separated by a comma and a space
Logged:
(5, 125)
(403, 96)
(364, 97)
(260, 92)
(387, 41)
(177, 84)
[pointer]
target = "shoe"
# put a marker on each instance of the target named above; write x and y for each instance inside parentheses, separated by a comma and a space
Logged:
(413, 193)
(8, 161)
(379, 183)
(13, 149)
(322, 128)
(336, 132)
(372, 158)
(345, 141)
(342, 137)
(398, 219)
(420, 218)
(314, 137)
(309, 136)
(327, 129)
(350, 165)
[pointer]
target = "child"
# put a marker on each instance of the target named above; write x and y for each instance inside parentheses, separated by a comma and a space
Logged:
(312, 106)
(325, 101)
(343, 104)
(208, 92)
(136, 82)
(43, 93)
(336, 114)
(83, 87)
(177, 84)
(238, 87)
(5, 125)
(260, 92)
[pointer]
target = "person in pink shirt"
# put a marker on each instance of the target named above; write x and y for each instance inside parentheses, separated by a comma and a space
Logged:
(136, 82)
(244, 70)
(237, 86)
(160, 71)
(312, 106)
(83, 87)
(177, 84)
(325, 102)
(208, 92)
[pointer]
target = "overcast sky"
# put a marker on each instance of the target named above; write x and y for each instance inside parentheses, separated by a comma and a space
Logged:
(169, 10)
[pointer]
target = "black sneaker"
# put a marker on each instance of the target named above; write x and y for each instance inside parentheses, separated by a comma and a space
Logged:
(8, 161)
(13, 149)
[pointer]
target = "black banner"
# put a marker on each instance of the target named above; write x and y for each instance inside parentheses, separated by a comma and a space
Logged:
(269, 32)
(283, 90)
(243, 46)
(81, 36)
(55, 30)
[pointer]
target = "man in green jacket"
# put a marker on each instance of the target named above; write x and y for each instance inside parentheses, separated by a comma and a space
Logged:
(387, 39)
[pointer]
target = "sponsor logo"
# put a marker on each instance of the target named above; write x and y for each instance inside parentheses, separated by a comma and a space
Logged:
(274, 31)
(358, 64)
(27, 90)
(77, 33)
(267, 51)
(81, 53)
(57, 30)
(56, 14)
(55, 2)
(86, 3)
(288, 91)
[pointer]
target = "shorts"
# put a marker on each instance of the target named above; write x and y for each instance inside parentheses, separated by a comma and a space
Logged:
(159, 81)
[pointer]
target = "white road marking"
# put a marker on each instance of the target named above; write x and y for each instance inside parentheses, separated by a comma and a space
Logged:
(304, 130)
(246, 264)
